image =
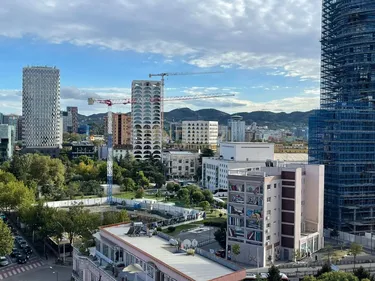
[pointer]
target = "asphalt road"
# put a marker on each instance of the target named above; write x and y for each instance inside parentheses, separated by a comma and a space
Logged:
(44, 273)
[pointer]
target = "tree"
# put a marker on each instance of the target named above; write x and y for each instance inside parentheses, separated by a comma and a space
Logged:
(113, 217)
(6, 239)
(91, 187)
(335, 234)
(362, 274)
(355, 249)
(205, 205)
(170, 187)
(207, 152)
(15, 195)
(236, 250)
(128, 184)
(142, 180)
(140, 193)
(6, 177)
(208, 196)
(273, 274)
(184, 196)
(221, 235)
(177, 187)
(333, 276)
(197, 196)
(325, 268)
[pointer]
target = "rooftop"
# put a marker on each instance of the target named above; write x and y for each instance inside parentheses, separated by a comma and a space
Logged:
(181, 152)
(291, 157)
(196, 267)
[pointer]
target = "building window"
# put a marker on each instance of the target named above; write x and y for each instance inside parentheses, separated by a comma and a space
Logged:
(268, 187)
(268, 199)
(268, 212)
(275, 185)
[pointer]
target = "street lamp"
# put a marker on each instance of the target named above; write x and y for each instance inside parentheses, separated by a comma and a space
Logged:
(63, 243)
(55, 272)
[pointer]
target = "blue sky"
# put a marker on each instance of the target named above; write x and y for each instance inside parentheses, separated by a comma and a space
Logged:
(269, 55)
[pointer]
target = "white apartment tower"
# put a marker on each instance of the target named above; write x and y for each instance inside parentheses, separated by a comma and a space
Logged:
(200, 133)
(41, 107)
(237, 129)
(146, 119)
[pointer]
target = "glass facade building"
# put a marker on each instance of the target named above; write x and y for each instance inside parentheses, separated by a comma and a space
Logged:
(342, 132)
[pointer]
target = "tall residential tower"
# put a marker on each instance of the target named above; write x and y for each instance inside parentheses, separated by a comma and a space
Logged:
(41, 109)
(342, 132)
(146, 119)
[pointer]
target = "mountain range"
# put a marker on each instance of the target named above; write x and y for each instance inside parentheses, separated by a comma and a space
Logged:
(263, 118)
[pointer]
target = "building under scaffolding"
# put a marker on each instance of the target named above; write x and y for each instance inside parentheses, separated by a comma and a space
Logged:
(342, 132)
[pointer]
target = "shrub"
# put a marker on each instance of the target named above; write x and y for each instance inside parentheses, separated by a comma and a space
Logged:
(171, 228)
(158, 228)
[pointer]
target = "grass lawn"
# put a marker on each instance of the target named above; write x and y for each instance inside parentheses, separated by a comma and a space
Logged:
(182, 227)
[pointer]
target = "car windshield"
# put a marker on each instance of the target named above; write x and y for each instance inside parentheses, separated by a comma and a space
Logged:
(3, 258)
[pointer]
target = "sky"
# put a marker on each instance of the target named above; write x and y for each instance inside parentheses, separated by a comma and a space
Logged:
(265, 53)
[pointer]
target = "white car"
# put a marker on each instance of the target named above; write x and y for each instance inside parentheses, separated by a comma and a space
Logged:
(4, 261)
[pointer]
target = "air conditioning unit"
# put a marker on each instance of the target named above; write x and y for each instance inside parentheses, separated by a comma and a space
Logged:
(267, 230)
(267, 243)
(268, 217)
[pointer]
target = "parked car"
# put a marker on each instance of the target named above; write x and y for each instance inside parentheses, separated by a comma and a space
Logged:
(18, 239)
(28, 250)
(15, 253)
(4, 261)
(220, 253)
(22, 259)
(23, 244)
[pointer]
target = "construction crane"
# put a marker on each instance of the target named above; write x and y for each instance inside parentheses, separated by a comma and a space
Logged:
(110, 102)
(163, 74)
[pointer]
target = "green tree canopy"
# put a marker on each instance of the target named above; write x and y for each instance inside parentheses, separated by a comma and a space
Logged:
(205, 205)
(273, 274)
(333, 276)
(6, 239)
(15, 195)
(129, 184)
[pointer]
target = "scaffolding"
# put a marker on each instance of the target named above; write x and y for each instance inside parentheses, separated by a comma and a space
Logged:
(342, 132)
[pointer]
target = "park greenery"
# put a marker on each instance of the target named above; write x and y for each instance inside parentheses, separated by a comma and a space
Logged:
(62, 178)
(27, 181)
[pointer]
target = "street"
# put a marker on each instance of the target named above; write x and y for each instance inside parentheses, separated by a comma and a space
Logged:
(44, 273)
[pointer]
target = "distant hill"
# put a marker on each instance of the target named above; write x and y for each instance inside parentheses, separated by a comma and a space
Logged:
(262, 118)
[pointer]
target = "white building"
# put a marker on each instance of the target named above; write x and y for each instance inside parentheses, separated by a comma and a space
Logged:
(181, 163)
(41, 107)
(135, 254)
(199, 134)
(146, 119)
(233, 155)
(275, 212)
(237, 129)
(7, 133)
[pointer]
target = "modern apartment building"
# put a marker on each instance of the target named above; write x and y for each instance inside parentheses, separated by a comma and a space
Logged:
(275, 212)
(41, 109)
(342, 132)
(233, 155)
(7, 133)
(181, 164)
(121, 129)
(200, 134)
(132, 252)
(70, 119)
(236, 127)
(146, 119)
(13, 120)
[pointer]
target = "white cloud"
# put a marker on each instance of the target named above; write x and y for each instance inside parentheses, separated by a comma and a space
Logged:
(307, 100)
(225, 33)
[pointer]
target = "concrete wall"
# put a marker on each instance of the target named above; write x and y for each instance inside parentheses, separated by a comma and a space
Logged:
(242, 151)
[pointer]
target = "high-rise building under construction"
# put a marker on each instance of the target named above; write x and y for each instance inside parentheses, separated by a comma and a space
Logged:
(342, 132)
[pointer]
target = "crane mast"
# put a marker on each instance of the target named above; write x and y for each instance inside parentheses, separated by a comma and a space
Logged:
(110, 102)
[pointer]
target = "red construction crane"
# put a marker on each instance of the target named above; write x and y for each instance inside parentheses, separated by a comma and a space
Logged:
(163, 74)
(110, 102)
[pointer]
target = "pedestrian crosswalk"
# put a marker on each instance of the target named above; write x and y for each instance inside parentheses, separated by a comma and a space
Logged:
(19, 268)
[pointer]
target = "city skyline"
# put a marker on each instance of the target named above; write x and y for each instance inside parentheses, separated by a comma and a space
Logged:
(270, 64)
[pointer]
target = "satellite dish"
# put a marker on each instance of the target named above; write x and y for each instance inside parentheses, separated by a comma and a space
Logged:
(173, 242)
(194, 243)
(186, 244)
